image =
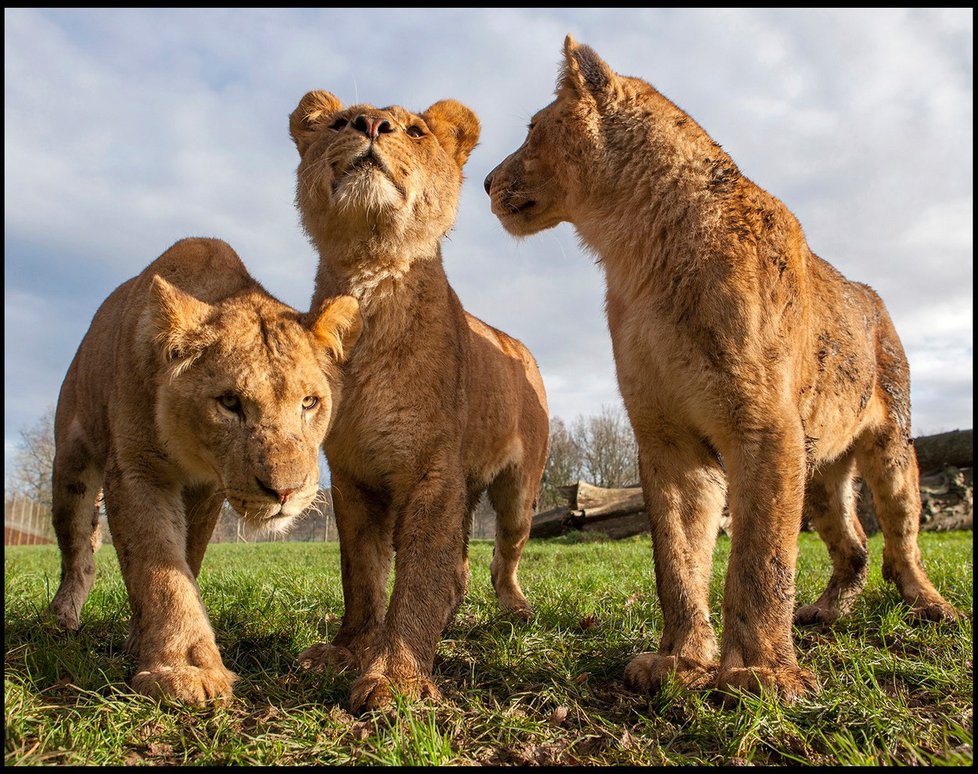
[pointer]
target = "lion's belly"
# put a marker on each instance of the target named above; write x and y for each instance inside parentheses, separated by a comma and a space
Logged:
(666, 376)
(840, 398)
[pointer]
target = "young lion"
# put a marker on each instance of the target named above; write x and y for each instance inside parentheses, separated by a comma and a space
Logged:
(732, 342)
(438, 405)
(192, 385)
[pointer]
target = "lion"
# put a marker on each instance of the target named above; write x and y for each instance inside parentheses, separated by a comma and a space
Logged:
(750, 369)
(439, 406)
(192, 385)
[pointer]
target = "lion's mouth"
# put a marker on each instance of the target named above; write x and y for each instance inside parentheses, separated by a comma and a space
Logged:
(366, 160)
(363, 162)
(360, 169)
(516, 209)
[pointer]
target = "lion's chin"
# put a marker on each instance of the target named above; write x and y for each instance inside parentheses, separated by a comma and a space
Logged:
(524, 223)
(264, 519)
(367, 190)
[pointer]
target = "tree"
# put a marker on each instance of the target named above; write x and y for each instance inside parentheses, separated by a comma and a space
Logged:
(34, 461)
(563, 465)
(600, 449)
(609, 453)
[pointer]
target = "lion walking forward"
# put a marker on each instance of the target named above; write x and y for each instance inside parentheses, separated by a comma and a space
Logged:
(192, 385)
(733, 342)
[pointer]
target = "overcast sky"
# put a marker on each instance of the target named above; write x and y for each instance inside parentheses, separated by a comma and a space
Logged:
(126, 130)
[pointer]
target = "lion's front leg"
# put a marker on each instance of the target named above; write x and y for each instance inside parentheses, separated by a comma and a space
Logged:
(365, 526)
(767, 484)
(177, 654)
(429, 584)
(684, 495)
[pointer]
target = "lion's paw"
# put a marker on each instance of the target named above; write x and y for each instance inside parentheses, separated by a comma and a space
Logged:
(65, 613)
(376, 691)
(522, 613)
(787, 683)
(810, 615)
(938, 611)
(648, 672)
(195, 685)
(325, 656)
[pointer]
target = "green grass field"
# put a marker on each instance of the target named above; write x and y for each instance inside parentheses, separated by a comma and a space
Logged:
(548, 692)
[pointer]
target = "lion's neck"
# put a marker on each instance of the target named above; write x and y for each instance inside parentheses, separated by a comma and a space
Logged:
(668, 192)
(387, 283)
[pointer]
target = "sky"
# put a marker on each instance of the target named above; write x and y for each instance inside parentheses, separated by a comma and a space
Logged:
(128, 129)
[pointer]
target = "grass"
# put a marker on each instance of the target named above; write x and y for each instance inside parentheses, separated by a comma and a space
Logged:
(549, 692)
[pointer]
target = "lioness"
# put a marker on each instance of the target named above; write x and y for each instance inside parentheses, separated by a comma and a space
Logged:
(744, 360)
(192, 385)
(438, 406)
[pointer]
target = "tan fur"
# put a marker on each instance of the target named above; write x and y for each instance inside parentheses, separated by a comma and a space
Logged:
(438, 405)
(750, 369)
(192, 385)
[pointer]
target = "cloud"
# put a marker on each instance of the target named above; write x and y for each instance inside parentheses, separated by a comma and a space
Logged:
(128, 129)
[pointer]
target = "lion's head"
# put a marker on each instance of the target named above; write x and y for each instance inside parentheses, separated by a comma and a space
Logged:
(581, 142)
(245, 393)
(383, 174)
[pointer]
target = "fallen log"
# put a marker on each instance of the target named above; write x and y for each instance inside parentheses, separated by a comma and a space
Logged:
(946, 497)
(552, 523)
(595, 501)
(955, 448)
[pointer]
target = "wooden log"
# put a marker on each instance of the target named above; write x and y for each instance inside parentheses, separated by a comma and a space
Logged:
(554, 522)
(621, 512)
(619, 525)
(594, 501)
(616, 512)
(935, 452)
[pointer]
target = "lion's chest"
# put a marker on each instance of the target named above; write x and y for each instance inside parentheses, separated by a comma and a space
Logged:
(398, 407)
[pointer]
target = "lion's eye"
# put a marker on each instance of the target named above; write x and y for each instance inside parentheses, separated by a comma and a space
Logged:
(338, 124)
(230, 401)
(415, 131)
(310, 402)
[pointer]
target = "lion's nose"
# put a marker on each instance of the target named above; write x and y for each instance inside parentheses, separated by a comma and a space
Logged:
(372, 126)
(282, 494)
(488, 183)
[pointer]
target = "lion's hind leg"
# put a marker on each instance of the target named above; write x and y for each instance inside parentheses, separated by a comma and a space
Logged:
(889, 465)
(513, 496)
(830, 503)
(75, 486)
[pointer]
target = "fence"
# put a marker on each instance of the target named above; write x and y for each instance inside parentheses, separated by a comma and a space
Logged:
(27, 522)
(315, 524)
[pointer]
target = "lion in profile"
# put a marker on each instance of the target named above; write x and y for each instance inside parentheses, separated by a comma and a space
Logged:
(438, 408)
(750, 369)
(192, 385)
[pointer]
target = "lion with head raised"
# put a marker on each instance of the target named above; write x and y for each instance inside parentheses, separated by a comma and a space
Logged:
(192, 385)
(439, 407)
(750, 368)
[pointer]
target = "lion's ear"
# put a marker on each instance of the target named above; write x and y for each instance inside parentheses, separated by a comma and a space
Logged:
(455, 126)
(586, 74)
(337, 326)
(314, 109)
(177, 318)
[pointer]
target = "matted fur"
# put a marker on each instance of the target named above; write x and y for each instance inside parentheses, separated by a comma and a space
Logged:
(438, 406)
(733, 342)
(192, 385)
